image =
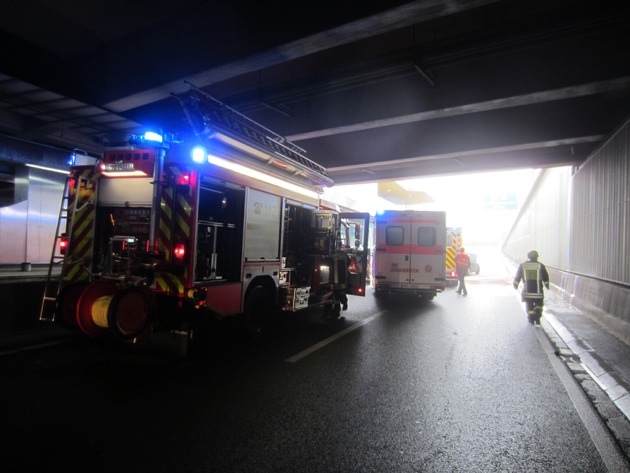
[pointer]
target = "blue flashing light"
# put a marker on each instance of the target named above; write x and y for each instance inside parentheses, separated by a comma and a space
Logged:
(153, 136)
(199, 154)
(72, 160)
(380, 211)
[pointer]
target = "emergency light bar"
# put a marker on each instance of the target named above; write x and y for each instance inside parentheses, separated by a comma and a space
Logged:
(148, 137)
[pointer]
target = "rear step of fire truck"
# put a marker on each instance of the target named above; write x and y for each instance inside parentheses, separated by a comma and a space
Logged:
(54, 283)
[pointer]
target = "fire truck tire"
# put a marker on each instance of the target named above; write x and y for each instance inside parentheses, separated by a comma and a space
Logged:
(130, 311)
(257, 312)
(67, 302)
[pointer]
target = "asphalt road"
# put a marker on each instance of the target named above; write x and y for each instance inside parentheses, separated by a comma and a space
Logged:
(454, 385)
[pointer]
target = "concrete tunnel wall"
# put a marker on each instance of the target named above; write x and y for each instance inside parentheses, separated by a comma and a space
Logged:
(578, 219)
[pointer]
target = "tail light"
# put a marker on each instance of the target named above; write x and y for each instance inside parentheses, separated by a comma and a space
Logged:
(183, 180)
(179, 252)
(63, 244)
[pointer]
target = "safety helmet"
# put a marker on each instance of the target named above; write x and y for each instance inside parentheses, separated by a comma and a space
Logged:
(533, 255)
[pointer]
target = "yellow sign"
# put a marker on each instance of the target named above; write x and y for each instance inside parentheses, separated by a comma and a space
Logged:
(396, 194)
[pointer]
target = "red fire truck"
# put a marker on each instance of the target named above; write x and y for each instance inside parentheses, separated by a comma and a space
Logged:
(223, 222)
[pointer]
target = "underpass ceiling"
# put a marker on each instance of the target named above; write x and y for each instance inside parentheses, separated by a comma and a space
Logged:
(372, 90)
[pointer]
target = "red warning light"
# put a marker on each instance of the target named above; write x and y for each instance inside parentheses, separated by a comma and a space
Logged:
(183, 180)
(63, 244)
(179, 251)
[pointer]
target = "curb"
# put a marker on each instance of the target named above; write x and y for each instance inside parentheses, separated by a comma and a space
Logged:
(608, 392)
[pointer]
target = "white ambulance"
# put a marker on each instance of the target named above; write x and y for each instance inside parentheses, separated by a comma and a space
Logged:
(410, 253)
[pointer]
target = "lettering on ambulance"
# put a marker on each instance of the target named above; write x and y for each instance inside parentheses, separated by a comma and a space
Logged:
(396, 269)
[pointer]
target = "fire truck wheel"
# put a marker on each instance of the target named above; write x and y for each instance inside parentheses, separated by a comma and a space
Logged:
(257, 312)
(67, 302)
(130, 311)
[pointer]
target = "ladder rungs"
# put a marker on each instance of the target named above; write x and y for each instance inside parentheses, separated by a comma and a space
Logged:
(64, 214)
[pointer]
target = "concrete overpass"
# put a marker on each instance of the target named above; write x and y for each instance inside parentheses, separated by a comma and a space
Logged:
(372, 90)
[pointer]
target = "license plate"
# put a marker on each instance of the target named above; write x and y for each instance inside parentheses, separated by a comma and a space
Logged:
(112, 167)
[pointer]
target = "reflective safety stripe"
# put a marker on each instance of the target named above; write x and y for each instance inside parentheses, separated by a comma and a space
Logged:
(531, 271)
(80, 225)
(531, 280)
(176, 225)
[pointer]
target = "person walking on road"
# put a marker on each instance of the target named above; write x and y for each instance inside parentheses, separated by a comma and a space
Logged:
(534, 276)
(462, 263)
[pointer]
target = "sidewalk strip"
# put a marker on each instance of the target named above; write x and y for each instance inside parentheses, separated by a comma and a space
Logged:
(605, 443)
(332, 338)
(604, 376)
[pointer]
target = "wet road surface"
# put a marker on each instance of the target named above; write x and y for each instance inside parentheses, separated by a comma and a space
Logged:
(457, 384)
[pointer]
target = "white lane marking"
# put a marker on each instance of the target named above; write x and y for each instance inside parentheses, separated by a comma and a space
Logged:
(332, 338)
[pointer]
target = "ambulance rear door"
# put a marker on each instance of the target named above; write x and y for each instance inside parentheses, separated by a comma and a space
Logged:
(427, 253)
(393, 249)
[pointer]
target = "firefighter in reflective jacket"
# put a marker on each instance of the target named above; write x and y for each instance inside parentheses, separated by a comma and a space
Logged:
(462, 263)
(534, 275)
